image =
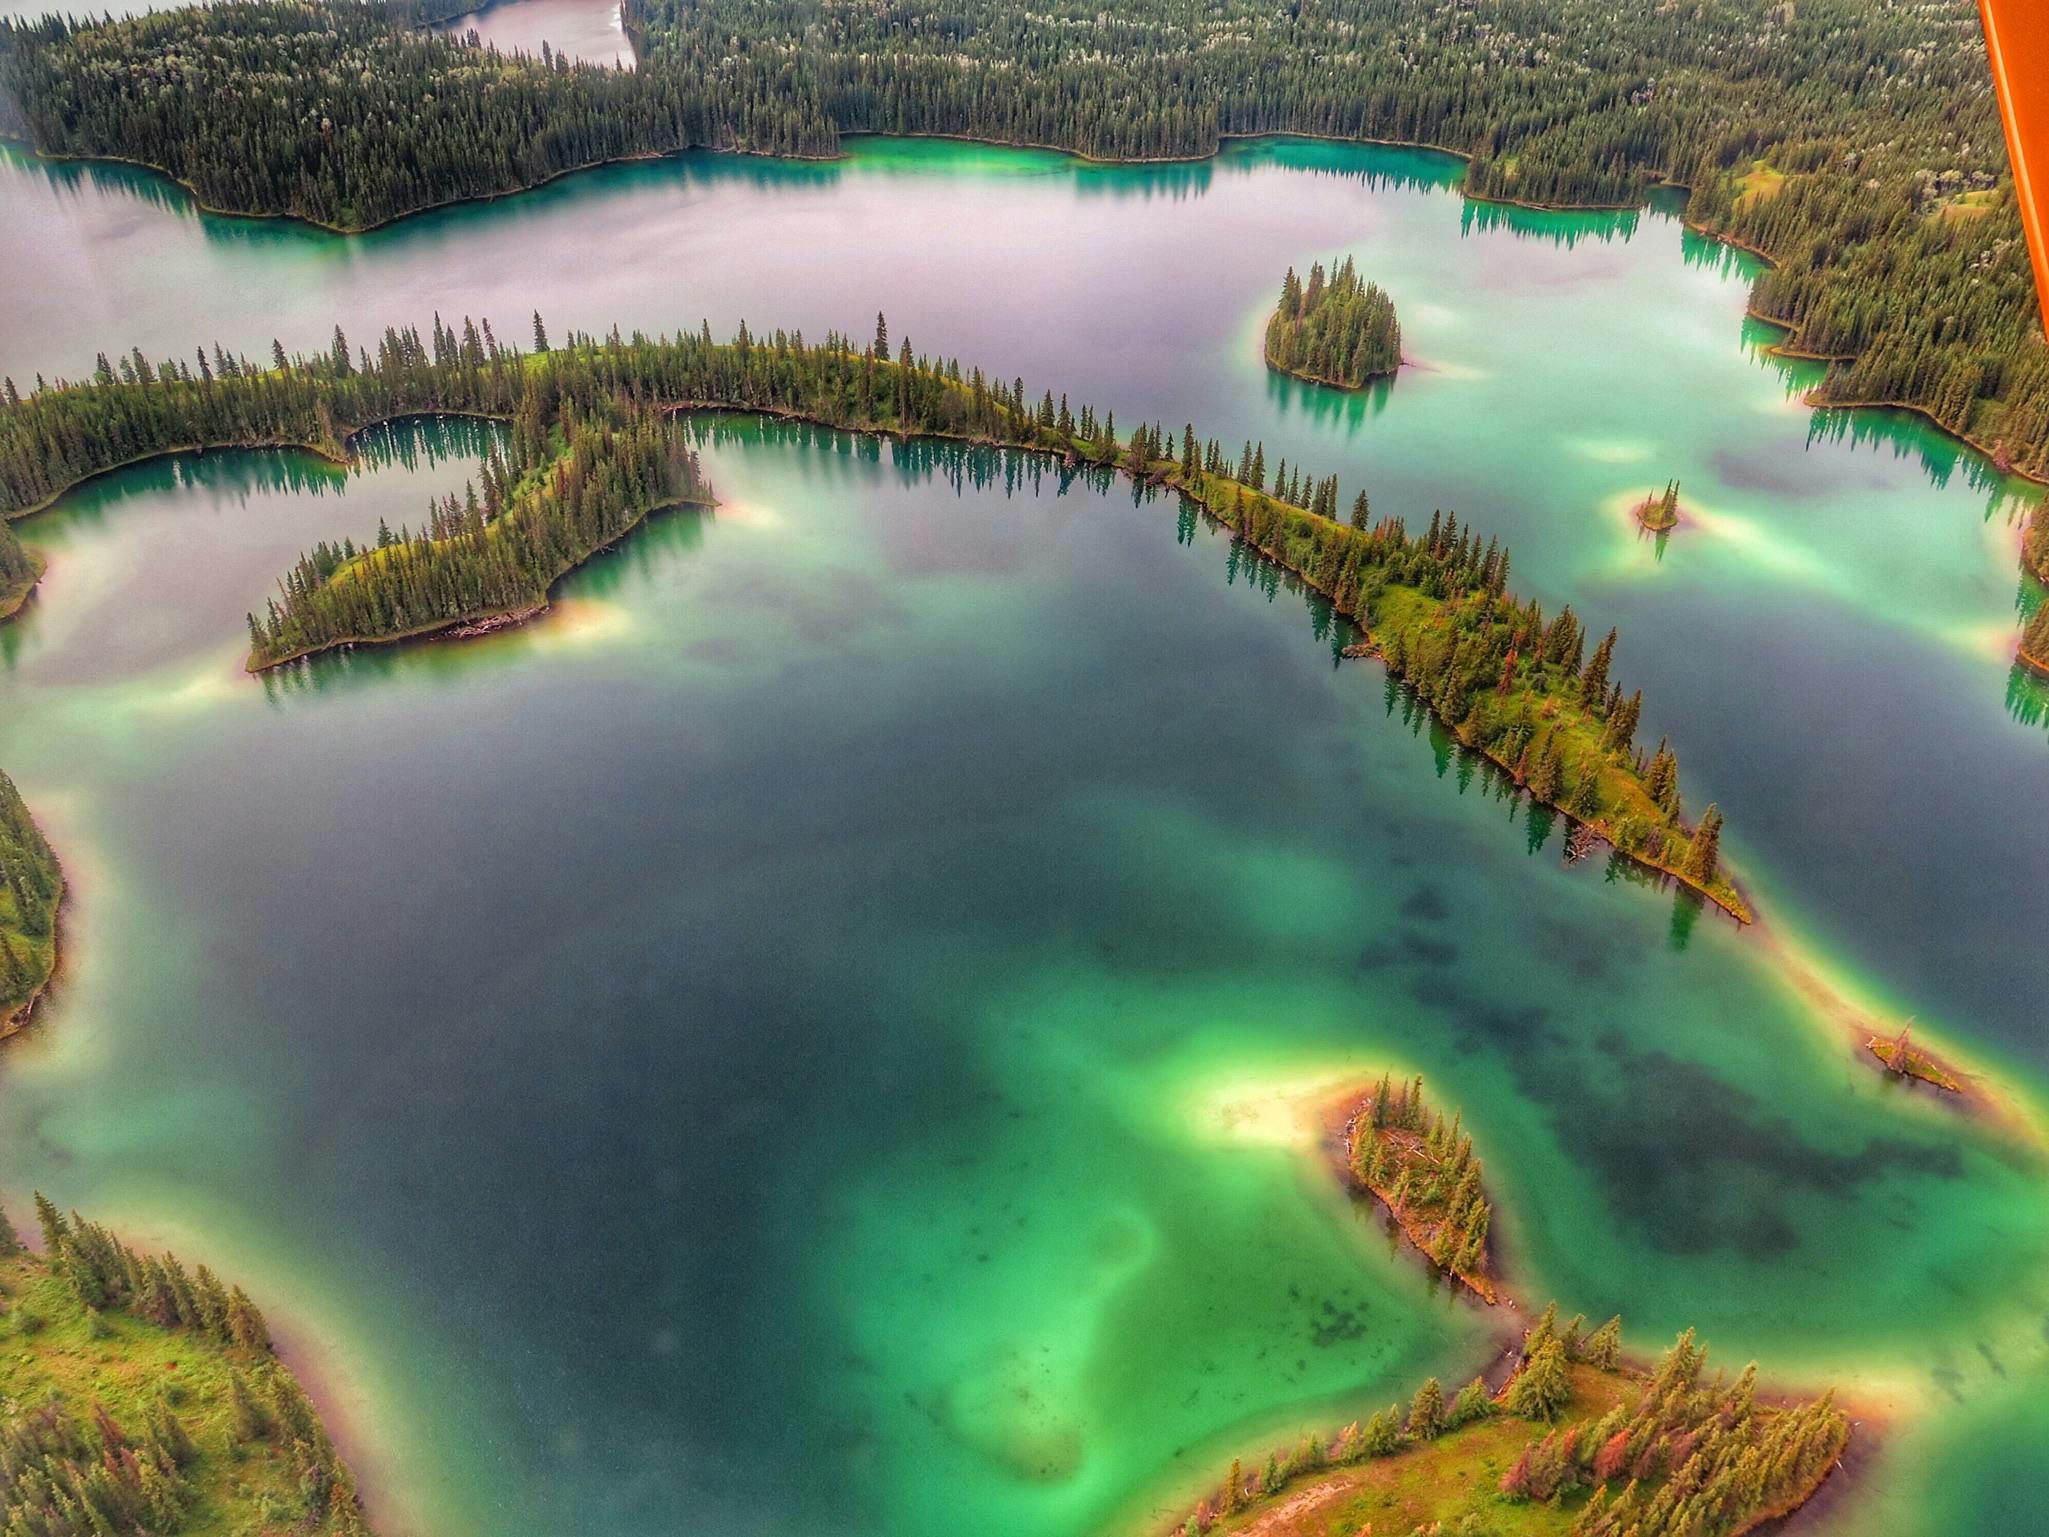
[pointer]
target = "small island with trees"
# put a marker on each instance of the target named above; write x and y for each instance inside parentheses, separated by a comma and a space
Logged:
(1903, 1059)
(1577, 1441)
(1660, 512)
(139, 1398)
(1341, 332)
(31, 891)
(1422, 1166)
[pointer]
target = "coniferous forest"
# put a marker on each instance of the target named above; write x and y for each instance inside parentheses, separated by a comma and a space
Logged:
(1857, 146)
(2035, 543)
(31, 889)
(566, 492)
(2035, 641)
(1423, 1167)
(137, 1397)
(1511, 682)
(1337, 330)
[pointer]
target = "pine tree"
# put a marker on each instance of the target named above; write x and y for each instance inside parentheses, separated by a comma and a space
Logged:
(1703, 853)
(1542, 1387)
(1603, 1347)
(1474, 1402)
(1426, 1412)
(1234, 1489)
(1593, 682)
(1585, 800)
(1621, 729)
(247, 1417)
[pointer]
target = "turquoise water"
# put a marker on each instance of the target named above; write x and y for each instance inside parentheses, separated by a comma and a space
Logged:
(822, 1029)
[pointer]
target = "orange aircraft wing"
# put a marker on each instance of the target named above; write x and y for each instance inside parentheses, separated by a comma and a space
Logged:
(2017, 34)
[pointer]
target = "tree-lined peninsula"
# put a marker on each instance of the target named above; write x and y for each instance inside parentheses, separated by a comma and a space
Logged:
(2035, 543)
(1858, 147)
(2034, 649)
(20, 569)
(1576, 1442)
(1339, 331)
(1511, 682)
(31, 890)
(138, 1399)
(569, 489)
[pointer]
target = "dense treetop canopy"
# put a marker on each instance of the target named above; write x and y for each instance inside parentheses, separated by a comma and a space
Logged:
(1857, 144)
(1336, 328)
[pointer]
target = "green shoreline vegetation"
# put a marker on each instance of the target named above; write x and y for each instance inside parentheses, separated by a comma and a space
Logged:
(20, 570)
(2034, 648)
(1576, 1444)
(136, 1398)
(1341, 332)
(1423, 1167)
(1510, 682)
(31, 893)
(570, 488)
(2035, 543)
(1841, 143)
(1660, 513)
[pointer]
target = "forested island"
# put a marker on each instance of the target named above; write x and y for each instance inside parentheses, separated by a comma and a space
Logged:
(1858, 148)
(1423, 1167)
(31, 891)
(1660, 513)
(1510, 682)
(1341, 331)
(20, 569)
(138, 1399)
(1576, 1442)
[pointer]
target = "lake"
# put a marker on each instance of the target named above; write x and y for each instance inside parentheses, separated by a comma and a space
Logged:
(817, 1031)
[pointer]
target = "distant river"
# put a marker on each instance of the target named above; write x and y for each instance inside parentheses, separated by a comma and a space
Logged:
(806, 1037)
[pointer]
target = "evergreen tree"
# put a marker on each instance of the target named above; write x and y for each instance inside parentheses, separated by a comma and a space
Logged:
(1702, 853)
(1541, 1388)
(1426, 1412)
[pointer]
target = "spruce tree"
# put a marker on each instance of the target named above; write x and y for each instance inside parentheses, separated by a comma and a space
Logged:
(1703, 853)
(1426, 1412)
(1542, 1387)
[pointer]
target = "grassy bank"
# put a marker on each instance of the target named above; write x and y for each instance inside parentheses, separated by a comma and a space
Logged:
(135, 1398)
(1576, 1444)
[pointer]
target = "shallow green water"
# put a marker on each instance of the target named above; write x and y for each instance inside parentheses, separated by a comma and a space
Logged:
(803, 1036)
